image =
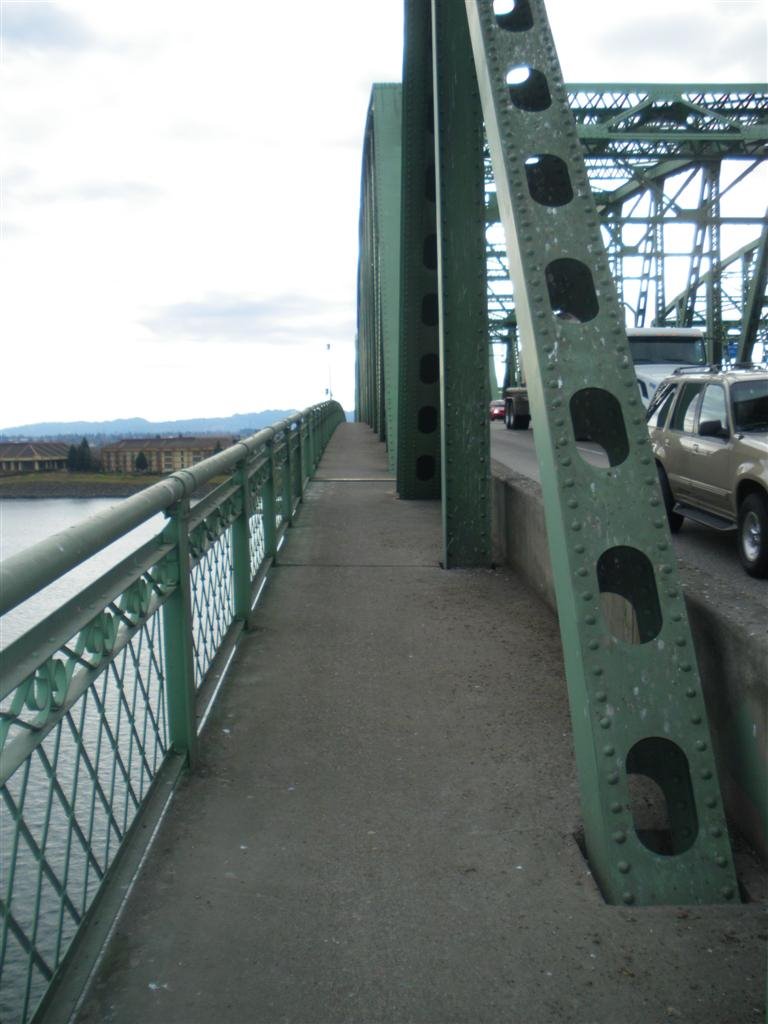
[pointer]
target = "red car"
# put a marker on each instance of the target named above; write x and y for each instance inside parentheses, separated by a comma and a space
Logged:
(497, 409)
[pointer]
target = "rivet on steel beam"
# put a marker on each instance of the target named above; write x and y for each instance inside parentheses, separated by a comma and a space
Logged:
(623, 867)
(605, 723)
(616, 807)
(627, 898)
(609, 750)
(620, 836)
(612, 778)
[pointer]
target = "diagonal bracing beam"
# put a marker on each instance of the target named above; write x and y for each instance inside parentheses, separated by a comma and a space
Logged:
(638, 713)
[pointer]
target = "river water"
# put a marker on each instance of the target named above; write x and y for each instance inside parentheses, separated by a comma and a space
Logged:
(24, 522)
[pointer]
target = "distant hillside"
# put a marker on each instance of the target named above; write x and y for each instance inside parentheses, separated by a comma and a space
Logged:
(240, 423)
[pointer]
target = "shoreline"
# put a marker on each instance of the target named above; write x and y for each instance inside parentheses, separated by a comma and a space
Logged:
(83, 486)
(17, 488)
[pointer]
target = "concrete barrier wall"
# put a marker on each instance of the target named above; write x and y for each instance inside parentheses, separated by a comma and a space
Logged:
(732, 653)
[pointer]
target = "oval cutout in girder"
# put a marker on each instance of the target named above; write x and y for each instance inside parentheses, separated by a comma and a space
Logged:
(429, 368)
(528, 88)
(430, 183)
(548, 180)
(628, 573)
(430, 310)
(425, 467)
(513, 16)
(597, 417)
(429, 255)
(571, 290)
(661, 796)
(427, 419)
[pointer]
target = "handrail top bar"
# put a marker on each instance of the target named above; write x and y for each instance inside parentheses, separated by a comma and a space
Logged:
(23, 574)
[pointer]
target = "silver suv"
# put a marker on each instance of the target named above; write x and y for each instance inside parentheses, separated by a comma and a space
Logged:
(709, 434)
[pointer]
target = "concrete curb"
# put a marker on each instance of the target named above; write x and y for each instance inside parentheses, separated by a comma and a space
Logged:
(732, 654)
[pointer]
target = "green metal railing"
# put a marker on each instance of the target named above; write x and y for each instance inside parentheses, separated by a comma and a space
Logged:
(101, 701)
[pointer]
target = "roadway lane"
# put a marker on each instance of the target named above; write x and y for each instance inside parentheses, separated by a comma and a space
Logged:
(708, 552)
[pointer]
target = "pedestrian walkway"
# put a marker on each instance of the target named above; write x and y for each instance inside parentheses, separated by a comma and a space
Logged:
(381, 828)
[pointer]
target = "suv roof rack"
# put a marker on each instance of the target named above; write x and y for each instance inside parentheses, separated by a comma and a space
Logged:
(709, 368)
(760, 367)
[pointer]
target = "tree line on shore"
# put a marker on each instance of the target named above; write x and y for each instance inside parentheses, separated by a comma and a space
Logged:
(80, 459)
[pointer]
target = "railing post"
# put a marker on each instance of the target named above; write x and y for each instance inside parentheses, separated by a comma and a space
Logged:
(300, 455)
(311, 443)
(241, 548)
(288, 479)
(306, 472)
(268, 506)
(178, 641)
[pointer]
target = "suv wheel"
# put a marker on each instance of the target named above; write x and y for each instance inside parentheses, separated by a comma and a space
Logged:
(674, 519)
(753, 534)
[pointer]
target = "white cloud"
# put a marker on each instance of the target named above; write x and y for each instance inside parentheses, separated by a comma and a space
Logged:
(165, 158)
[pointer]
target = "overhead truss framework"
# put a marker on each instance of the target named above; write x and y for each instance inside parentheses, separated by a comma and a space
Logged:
(679, 174)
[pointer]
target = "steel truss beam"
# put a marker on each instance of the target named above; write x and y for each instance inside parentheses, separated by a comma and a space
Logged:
(661, 159)
(418, 452)
(378, 302)
(636, 701)
(443, 435)
(462, 288)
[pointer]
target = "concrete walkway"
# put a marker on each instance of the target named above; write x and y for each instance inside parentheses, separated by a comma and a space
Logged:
(382, 825)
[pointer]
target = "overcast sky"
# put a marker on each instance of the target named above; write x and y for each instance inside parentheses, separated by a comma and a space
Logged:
(180, 186)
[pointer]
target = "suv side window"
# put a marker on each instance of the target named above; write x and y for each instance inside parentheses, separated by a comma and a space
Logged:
(713, 406)
(660, 405)
(684, 415)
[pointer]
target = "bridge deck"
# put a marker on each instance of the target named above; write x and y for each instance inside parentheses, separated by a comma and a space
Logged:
(381, 827)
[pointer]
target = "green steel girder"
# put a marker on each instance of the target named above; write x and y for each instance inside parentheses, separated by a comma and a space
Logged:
(379, 267)
(756, 300)
(461, 271)
(697, 122)
(419, 441)
(636, 702)
(741, 286)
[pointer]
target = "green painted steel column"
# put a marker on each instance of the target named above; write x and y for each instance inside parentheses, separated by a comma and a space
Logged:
(639, 719)
(418, 438)
(379, 266)
(178, 641)
(462, 299)
(756, 299)
(387, 111)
